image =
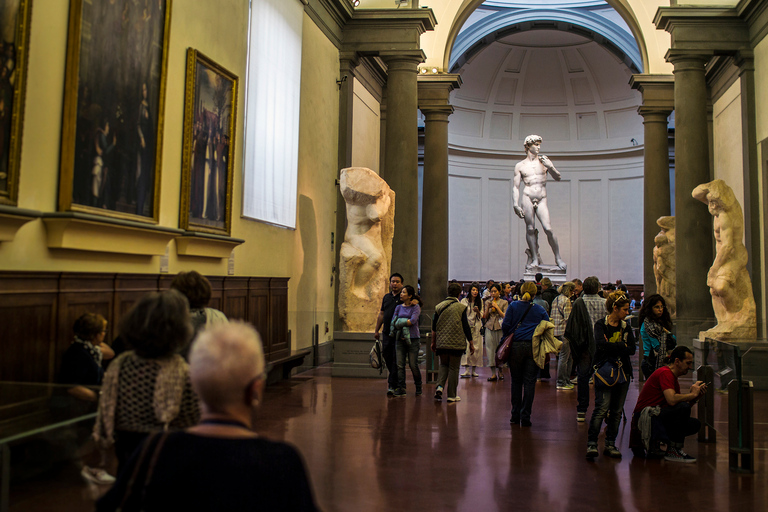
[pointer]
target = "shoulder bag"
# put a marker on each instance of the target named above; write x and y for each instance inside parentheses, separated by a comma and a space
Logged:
(610, 372)
(376, 356)
(503, 351)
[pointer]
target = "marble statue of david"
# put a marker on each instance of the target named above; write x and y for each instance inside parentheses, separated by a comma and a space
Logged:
(532, 170)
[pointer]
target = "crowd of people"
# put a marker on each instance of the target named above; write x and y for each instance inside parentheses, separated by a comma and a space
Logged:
(179, 411)
(176, 404)
(519, 324)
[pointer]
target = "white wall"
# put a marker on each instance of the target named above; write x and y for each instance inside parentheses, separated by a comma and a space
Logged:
(596, 211)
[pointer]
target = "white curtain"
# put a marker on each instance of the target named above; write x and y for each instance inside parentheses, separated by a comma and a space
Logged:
(272, 111)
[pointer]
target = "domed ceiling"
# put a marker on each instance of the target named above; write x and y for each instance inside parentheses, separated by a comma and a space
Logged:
(567, 88)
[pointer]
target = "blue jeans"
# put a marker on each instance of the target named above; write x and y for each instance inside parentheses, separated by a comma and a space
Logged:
(564, 363)
(524, 371)
(411, 353)
(608, 402)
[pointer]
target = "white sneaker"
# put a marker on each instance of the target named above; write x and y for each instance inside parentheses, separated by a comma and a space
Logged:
(452, 399)
(97, 476)
(465, 375)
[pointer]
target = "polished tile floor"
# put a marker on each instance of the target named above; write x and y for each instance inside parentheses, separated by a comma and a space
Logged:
(367, 452)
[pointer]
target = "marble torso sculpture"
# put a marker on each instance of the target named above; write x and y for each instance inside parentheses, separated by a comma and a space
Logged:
(664, 263)
(366, 253)
(533, 171)
(728, 279)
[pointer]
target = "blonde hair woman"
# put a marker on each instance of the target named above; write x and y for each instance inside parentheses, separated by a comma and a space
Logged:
(522, 318)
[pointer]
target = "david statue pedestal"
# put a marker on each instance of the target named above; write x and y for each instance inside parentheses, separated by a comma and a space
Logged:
(532, 171)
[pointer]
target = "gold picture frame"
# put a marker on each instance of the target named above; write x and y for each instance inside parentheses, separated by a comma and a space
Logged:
(114, 106)
(210, 112)
(13, 85)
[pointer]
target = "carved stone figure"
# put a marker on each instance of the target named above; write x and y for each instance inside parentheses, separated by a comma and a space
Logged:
(366, 253)
(728, 279)
(664, 263)
(533, 171)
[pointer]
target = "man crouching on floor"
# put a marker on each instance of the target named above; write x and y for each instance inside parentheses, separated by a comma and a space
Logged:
(663, 414)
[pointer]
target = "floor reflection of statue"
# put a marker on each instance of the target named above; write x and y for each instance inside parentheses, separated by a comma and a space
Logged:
(533, 171)
(728, 279)
(664, 263)
(367, 248)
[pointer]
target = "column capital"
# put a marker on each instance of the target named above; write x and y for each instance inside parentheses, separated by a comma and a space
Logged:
(654, 115)
(688, 59)
(437, 114)
(658, 92)
(349, 60)
(435, 92)
(745, 60)
(403, 58)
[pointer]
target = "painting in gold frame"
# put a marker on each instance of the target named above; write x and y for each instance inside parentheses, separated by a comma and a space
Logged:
(13, 79)
(112, 135)
(210, 109)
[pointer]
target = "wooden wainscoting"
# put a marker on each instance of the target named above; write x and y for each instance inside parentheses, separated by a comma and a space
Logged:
(38, 309)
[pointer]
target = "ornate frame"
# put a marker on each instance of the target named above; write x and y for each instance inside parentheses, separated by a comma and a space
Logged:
(83, 92)
(9, 196)
(194, 216)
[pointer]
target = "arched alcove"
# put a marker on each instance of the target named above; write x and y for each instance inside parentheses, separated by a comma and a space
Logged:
(622, 7)
(574, 92)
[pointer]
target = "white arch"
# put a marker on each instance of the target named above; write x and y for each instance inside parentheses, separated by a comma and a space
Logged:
(638, 14)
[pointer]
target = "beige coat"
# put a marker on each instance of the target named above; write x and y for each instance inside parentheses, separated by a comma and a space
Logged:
(544, 342)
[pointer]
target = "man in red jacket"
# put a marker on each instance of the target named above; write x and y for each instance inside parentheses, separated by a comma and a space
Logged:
(663, 413)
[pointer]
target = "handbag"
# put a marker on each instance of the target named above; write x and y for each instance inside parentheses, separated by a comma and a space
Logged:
(135, 493)
(376, 356)
(609, 373)
(504, 348)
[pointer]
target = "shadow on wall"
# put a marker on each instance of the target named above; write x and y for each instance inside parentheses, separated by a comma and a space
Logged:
(306, 304)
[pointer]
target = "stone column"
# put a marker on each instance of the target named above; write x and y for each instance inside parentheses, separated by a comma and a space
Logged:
(694, 239)
(348, 62)
(434, 96)
(752, 212)
(400, 169)
(658, 103)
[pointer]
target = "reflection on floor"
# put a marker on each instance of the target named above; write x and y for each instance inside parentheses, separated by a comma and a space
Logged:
(368, 452)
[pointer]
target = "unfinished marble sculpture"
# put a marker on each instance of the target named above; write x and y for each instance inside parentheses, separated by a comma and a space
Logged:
(664, 263)
(366, 253)
(728, 279)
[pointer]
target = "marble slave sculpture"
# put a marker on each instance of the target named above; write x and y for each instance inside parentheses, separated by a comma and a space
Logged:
(664, 263)
(728, 279)
(366, 253)
(532, 170)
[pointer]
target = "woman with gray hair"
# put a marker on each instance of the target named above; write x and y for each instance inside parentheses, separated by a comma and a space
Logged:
(148, 388)
(220, 464)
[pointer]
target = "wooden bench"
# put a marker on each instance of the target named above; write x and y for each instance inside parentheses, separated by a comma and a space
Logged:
(281, 366)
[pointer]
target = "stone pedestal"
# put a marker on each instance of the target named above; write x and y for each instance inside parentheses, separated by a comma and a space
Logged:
(553, 272)
(351, 355)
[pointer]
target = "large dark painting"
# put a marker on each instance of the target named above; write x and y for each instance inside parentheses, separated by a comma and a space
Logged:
(14, 49)
(113, 118)
(209, 127)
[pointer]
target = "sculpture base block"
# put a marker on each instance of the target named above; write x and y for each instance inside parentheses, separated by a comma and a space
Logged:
(351, 355)
(553, 272)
